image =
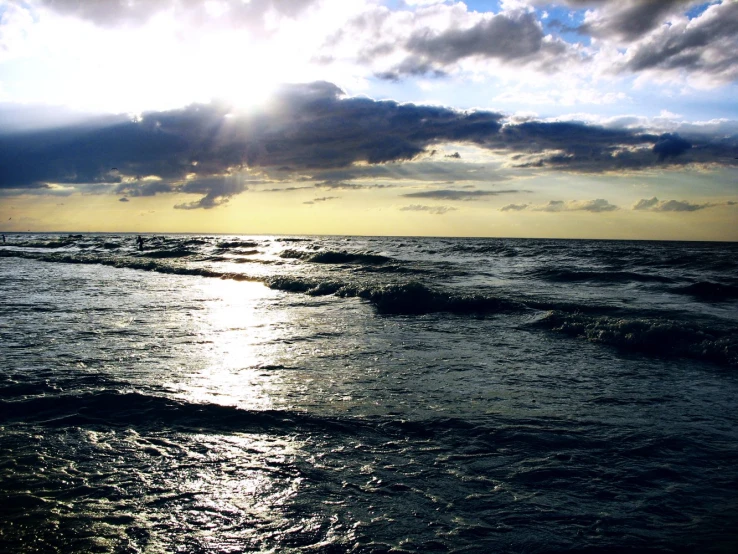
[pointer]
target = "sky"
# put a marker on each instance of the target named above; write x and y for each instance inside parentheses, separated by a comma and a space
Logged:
(513, 118)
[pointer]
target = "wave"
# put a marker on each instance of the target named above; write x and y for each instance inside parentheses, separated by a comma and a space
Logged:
(571, 276)
(708, 290)
(251, 252)
(410, 298)
(503, 250)
(653, 336)
(55, 243)
(111, 407)
(336, 257)
(173, 253)
(237, 244)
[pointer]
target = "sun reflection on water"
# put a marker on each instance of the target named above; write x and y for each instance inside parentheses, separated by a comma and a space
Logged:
(237, 344)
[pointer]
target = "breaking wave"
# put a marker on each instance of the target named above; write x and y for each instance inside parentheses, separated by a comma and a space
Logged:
(661, 337)
(336, 257)
(410, 298)
(237, 244)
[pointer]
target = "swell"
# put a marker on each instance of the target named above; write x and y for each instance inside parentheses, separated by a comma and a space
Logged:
(708, 290)
(179, 252)
(498, 249)
(653, 336)
(112, 408)
(573, 276)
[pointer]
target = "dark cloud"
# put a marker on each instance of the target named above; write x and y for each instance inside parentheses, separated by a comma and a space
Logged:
(656, 205)
(308, 127)
(664, 35)
(217, 190)
(592, 149)
(312, 133)
(505, 36)
(450, 194)
(508, 37)
(708, 46)
(627, 20)
(143, 188)
(670, 145)
(435, 210)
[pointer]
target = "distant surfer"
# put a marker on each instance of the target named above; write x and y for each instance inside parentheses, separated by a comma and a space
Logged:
(3, 239)
(140, 242)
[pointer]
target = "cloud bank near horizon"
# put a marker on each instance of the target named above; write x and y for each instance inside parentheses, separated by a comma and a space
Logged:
(314, 133)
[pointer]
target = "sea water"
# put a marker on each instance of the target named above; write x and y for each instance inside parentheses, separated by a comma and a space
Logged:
(347, 394)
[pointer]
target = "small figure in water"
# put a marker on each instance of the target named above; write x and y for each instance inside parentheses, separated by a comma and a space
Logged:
(140, 242)
(3, 239)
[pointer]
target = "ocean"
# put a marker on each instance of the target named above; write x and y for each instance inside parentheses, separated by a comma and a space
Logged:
(369, 395)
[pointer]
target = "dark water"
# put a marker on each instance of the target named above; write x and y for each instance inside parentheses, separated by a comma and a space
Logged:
(308, 394)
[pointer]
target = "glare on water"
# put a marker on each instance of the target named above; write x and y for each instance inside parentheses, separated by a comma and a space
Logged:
(237, 337)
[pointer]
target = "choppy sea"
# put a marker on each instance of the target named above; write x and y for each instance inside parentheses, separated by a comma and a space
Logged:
(346, 394)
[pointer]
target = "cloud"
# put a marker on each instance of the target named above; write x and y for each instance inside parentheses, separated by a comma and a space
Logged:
(669, 145)
(507, 37)
(417, 170)
(313, 132)
(435, 210)
(705, 46)
(115, 13)
(626, 20)
(143, 188)
(433, 41)
(329, 185)
(684, 39)
(514, 207)
(656, 205)
(450, 194)
(321, 199)
(599, 205)
(217, 190)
